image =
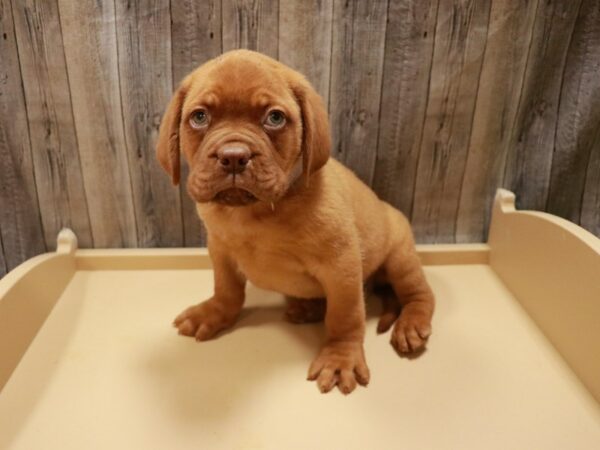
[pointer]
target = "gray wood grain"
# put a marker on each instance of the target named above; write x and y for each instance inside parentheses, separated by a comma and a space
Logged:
(407, 64)
(356, 74)
(590, 205)
(578, 115)
(433, 103)
(305, 32)
(89, 37)
(195, 38)
(531, 145)
(460, 39)
(20, 223)
(144, 48)
(195, 35)
(58, 176)
(251, 24)
(509, 35)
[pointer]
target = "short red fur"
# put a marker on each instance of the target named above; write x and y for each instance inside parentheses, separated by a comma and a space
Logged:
(289, 218)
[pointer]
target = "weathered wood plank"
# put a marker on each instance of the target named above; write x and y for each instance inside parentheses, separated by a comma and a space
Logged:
(509, 35)
(144, 48)
(578, 115)
(89, 37)
(251, 24)
(590, 206)
(195, 38)
(20, 223)
(419, 123)
(195, 35)
(406, 72)
(58, 176)
(356, 76)
(460, 38)
(305, 31)
(531, 145)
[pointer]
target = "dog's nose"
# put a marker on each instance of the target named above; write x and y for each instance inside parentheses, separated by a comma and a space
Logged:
(233, 158)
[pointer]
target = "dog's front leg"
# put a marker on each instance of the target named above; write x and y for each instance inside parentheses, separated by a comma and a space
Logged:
(341, 361)
(204, 320)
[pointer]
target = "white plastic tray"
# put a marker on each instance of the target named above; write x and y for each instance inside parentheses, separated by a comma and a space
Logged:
(88, 357)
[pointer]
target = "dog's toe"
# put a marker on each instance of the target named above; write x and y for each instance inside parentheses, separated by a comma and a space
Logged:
(327, 379)
(340, 364)
(203, 321)
(186, 327)
(411, 333)
(347, 381)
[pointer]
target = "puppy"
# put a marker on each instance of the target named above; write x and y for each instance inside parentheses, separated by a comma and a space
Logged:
(281, 214)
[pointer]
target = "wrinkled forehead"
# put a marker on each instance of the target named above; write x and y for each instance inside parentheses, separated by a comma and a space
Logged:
(237, 84)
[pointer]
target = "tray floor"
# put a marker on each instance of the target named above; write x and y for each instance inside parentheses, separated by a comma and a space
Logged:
(107, 370)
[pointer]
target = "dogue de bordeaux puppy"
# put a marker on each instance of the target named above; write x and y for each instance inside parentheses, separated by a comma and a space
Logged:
(283, 215)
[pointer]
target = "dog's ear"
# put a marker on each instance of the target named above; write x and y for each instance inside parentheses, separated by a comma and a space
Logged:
(316, 136)
(167, 147)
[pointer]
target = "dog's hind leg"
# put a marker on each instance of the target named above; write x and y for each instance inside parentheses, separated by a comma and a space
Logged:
(305, 310)
(403, 271)
(390, 306)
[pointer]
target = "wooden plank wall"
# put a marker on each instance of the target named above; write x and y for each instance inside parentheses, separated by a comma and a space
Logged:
(434, 103)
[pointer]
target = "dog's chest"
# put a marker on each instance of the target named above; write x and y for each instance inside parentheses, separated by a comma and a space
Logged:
(271, 262)
(278, 269)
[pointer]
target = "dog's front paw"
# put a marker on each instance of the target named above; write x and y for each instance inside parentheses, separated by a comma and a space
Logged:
(411, 331)
(204, 321)
(340, 364)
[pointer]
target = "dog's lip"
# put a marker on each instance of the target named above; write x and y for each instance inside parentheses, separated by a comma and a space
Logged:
(212, 187)
(235, 196)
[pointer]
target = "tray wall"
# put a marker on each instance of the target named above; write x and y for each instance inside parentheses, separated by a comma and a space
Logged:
(552, 267)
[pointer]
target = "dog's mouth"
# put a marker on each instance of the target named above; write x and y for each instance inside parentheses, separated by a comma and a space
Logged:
(235, 197)
(263, 184)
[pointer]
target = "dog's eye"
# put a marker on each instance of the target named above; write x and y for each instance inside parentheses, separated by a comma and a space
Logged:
(199, 119)
(275, 120)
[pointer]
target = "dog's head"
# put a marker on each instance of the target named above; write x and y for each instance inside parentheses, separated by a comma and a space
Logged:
(248, 126)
